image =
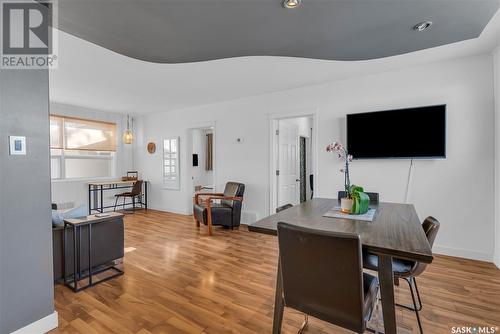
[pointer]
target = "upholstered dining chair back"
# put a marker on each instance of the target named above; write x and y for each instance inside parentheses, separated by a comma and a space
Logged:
(284, 207)
(431, 227)
(323, 275)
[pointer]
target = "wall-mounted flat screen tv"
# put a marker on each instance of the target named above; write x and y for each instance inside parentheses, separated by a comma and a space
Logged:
(403, 133)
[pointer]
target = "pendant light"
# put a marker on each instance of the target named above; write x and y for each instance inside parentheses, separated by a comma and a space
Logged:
(128, 137)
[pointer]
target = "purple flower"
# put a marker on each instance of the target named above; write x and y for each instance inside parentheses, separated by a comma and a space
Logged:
(343, 155)
(340, 150)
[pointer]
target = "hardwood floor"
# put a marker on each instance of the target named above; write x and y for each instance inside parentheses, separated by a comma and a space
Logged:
(179, 280)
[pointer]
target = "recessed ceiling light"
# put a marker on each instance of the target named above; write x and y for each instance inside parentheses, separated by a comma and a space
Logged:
(422, 26)
(290, 4)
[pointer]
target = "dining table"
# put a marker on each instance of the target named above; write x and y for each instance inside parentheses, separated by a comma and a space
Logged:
(394, 232)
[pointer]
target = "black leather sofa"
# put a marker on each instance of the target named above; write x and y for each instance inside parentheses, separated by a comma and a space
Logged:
(107, 246)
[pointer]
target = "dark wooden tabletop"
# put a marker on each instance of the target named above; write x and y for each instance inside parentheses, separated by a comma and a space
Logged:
(396, 229)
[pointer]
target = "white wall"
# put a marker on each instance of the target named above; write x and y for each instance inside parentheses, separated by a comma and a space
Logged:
(67, 192)
(496, 66)
(304, 124)
(458, 191)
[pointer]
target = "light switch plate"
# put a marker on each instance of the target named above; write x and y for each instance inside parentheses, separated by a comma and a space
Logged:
(17, 145)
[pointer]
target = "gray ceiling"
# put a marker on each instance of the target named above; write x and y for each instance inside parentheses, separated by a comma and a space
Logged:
(178, 31)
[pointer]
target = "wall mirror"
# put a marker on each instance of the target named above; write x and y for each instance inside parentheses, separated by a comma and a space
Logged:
(171, 171)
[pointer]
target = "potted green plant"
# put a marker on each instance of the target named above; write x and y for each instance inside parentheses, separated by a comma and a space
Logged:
(355, 201)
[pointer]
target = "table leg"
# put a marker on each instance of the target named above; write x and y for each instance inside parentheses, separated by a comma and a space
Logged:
(278, 302)
(64, 255)
(146, 195)
(90, 205)
(102, 200)
(79, 266)
(90, 252)
(75, 282)
(386, 278)
(95, 197)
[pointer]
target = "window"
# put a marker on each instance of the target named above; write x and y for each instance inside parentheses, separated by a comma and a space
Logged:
(171, 163)
(81, 148)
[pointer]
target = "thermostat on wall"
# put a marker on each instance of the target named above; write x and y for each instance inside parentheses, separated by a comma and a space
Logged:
(17, 145)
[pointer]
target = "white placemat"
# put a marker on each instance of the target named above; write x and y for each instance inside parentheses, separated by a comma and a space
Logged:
(336, 213)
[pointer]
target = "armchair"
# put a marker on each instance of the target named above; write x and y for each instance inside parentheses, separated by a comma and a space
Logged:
(227, 213)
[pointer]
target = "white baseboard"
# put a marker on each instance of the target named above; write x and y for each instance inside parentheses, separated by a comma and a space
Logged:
(464, 253)
(497, 260)
(171, 210)
(40, 326)
(247, 217)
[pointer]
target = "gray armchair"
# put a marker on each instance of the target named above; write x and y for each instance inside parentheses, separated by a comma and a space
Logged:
(227, 213)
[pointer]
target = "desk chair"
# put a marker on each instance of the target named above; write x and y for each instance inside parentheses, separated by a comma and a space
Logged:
(135, 192)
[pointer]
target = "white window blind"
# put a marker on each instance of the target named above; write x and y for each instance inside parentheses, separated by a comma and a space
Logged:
(82, 134)
(81, 148)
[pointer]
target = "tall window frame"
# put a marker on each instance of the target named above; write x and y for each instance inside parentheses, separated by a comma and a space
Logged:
(171, 163)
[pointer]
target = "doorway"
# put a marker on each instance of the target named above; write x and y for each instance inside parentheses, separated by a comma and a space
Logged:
(201, 160)
(292, 157)
(303, 156)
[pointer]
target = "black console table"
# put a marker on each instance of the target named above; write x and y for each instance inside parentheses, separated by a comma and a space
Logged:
(78, 274)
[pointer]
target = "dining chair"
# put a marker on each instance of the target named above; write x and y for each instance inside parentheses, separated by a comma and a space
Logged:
(408, 270)
(374, 197)
(284, 207)
(133, 194)
(322, 276)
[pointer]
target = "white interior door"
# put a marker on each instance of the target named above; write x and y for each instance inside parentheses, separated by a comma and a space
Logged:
(288, 164)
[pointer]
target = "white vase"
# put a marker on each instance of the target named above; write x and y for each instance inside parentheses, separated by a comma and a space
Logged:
(346, 205)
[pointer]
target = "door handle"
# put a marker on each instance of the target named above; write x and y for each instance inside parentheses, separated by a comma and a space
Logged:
(297, 180)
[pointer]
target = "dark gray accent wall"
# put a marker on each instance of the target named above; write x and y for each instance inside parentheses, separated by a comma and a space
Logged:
(26, 285)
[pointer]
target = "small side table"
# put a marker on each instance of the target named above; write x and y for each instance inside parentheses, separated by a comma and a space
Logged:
(76, 224)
